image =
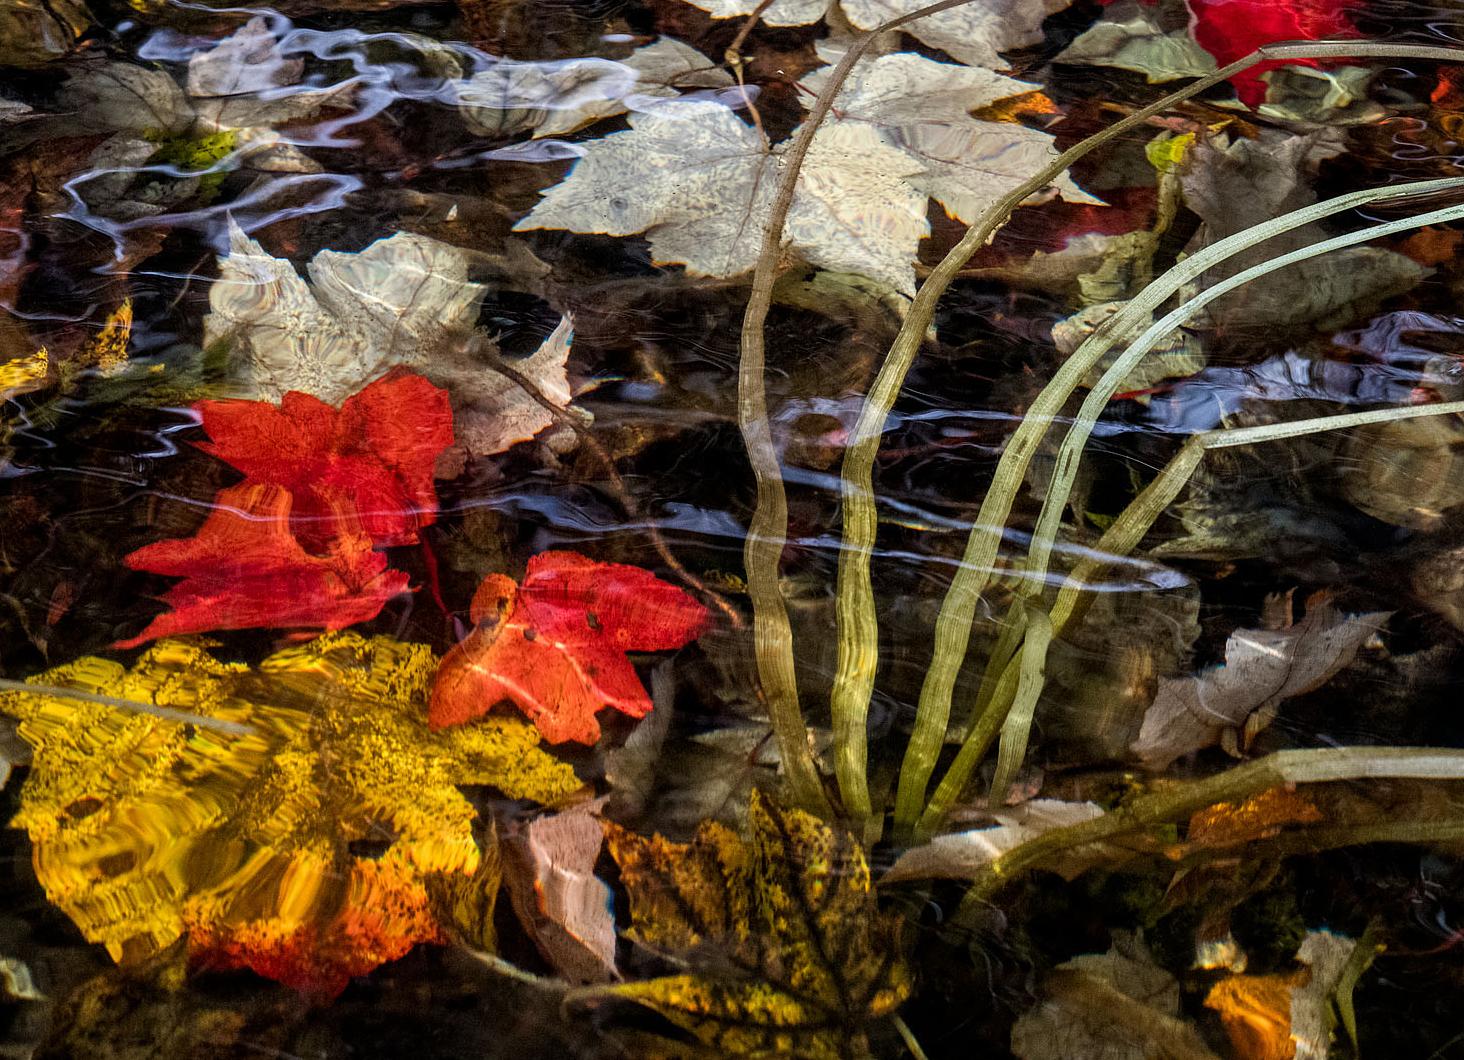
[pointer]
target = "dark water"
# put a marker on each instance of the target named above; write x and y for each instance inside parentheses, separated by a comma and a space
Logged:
(165, 875)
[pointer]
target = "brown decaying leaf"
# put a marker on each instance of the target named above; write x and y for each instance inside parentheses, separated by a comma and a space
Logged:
(1263, 667)
(1118, 1005)
(785, 951)
(561, 902)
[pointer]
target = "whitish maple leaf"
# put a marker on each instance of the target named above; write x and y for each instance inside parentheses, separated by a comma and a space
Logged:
(923, 108)
(405, 300)
(972, 33)
(699, 182)
(244, 82)
(558, 97)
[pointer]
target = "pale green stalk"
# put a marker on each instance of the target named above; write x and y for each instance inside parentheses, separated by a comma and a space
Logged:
(1117, 541)
(1017, 727)
(1233, 785)
(1064, 474)
(953, 625)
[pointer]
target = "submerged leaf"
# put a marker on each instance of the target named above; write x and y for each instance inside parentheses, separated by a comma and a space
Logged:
(699, 182)
(1263, 668)
(555, 645)
(1232, 29)
(963, 855)
(923, 108)
(1118, 1005)
(787, 954)
(146, 828)
(375, 453)
(394, 303)
(970, 33)
(556, 98)
(246, 569)
(564, 906)
(1286, 1016)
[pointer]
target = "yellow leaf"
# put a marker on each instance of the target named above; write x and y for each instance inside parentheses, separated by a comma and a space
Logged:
(107, 349)
(1166, 152)
(223, 803)
(23, 374)
(786, 951)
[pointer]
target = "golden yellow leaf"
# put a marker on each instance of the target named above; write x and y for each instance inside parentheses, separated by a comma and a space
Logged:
(23, 374)
(107, 349)
(786, 951)
(223, 802)
(1256, 1012)
(1258, 817)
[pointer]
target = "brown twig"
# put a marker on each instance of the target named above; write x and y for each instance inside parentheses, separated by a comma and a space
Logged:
(733, 57)
(617, 484)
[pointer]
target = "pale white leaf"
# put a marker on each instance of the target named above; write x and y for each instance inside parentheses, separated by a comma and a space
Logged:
(246, 81)
(120, 97)
(699, 182)
(972, 33)
(923, 107)
(963, 855)
(1263, 667)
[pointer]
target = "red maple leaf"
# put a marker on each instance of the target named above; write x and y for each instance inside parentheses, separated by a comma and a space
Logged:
(1232, 29)
(245, 569)
(556, 644)
(378, 449)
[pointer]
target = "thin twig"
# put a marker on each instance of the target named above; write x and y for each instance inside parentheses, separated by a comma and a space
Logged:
(733, 58)
(617, 484)
(181, 717)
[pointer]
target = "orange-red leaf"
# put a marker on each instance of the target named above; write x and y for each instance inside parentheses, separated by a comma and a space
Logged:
(556, 645)
(245, 569)
(1232, 29)
(378, 449)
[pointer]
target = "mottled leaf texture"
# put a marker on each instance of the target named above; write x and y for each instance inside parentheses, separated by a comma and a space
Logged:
(555, 645)
(557, 97)
(699, 182)
(785, 950)
(376, 452)
(245, 569)
(922, 107)
(393, 303)
(189, 796)
(1263, 667)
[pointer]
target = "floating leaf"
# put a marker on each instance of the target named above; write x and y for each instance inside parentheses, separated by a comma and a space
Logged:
(1263, 668)
(555, 645)
(787, 954)
(246, 569)
(224, 806)
(375, 453)
(923, 108)
(24, 374)
(699, 182)
(1118, 1005)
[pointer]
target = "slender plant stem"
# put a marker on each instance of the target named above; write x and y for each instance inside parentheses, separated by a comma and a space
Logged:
(953, 625)
(1044, 535)
(1017, 725)
(1122, 536)
(768, 529)
(1233, 785)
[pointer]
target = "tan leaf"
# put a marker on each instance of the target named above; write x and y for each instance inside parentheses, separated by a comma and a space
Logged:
(962, 855)
(1262, 669)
